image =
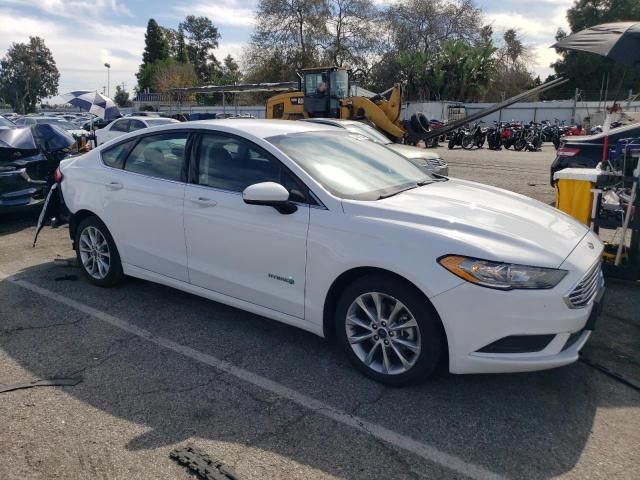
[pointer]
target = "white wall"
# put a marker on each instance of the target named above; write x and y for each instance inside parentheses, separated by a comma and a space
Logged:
(523, 111)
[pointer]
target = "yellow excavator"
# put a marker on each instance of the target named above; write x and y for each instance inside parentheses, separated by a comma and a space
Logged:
(327, 92)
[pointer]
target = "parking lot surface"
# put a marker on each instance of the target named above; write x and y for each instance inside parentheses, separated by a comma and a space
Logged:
(161, 369)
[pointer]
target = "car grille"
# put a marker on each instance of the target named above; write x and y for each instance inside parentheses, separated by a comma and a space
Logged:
(436, 162)
(585, 291)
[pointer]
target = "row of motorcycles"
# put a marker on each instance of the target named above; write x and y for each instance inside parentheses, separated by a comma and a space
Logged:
(516, 135)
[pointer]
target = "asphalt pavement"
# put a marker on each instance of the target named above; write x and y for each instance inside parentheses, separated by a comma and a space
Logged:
(162, 369)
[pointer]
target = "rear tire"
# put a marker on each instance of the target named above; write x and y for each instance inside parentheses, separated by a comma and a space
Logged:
(389, 331)
(97, 254)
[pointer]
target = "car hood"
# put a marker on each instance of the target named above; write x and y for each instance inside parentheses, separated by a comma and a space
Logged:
(479, 220)
(412, 152)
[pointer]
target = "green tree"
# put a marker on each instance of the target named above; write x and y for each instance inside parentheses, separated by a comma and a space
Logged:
(121, 97)
(155, 48)
(201, 38)
(286, 38)
(418, 27)
(28, 73)
(181, 48)
(585, 70)
(512, 74)
(458, 70)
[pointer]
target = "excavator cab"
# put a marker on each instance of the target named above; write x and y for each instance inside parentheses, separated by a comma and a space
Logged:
(323, 89)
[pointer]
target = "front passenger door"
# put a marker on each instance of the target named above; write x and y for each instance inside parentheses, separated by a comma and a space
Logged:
(249, 252)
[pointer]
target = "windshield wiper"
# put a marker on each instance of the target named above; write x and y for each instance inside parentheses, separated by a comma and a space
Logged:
(387, 195)
(421, 183)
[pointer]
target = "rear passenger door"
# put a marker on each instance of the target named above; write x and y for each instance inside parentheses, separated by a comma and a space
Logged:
(143, 194)
(248, 252)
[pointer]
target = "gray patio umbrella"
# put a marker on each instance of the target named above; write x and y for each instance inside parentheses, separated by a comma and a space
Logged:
(618, 41)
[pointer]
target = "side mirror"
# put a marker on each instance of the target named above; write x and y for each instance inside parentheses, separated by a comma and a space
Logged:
(269, 194)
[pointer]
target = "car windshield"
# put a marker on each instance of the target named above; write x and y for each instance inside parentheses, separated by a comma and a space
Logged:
(349, 165)
(368, 131)
(6, 123)
(152, 122)
(58, 123)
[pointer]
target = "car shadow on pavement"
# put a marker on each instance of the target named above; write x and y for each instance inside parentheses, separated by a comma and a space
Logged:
(521, 426)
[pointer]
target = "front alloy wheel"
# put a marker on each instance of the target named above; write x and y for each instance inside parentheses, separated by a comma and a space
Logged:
(389, 330)
(383, 333)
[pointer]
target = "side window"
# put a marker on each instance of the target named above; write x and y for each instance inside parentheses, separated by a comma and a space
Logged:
(136, 125)
(229, 163)
(120, 126)
(114, 156)
(158, 156)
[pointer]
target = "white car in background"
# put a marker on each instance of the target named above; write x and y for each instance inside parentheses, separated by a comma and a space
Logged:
(129, 124)
(330, 232)
(431, 161)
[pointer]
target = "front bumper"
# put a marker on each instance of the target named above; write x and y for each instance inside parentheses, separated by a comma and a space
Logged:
(475, 317)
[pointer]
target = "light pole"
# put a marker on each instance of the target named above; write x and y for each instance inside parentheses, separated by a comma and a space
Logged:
(108, 65)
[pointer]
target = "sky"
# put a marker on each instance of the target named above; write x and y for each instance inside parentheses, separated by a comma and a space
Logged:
(84, 34)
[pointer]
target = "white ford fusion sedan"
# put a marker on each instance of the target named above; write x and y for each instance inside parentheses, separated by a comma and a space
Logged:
(332, 233)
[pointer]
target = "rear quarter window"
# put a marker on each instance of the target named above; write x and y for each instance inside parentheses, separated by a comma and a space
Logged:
(114, 156)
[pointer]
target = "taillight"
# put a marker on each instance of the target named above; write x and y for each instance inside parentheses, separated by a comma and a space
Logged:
(568, 152)
(57, 176)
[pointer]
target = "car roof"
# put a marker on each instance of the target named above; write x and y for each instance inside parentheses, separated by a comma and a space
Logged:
(332, 121)
(597, 136)
(145, 118)
(262, 128)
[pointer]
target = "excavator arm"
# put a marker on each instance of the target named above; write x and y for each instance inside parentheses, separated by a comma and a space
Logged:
(383, 113)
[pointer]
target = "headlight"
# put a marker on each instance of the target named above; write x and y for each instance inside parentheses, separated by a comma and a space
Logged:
(503, 276)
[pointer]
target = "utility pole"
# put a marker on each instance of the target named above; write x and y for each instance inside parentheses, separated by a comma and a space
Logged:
(108, 65)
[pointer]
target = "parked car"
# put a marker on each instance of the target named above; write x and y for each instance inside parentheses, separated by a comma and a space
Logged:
(340, 236)
(421, 157)
(586, 151)
(143, 114)
(95, 124)
(129, 124)
(28, 158)
(71, 128)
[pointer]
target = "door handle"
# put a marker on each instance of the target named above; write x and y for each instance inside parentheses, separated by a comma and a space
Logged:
(204, 202)
(114, 185)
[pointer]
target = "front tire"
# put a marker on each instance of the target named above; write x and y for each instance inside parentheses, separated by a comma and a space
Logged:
(389, 331)
(97, 254)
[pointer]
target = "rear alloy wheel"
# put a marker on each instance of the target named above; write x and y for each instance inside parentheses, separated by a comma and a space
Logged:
(97, 253)
(388, 331)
